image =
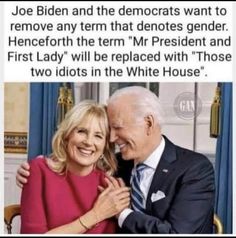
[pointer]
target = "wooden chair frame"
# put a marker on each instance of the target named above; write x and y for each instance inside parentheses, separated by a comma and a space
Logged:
(10, 212)
(218, 224)
(13, 210)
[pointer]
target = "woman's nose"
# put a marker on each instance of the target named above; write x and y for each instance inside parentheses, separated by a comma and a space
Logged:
(88, 140)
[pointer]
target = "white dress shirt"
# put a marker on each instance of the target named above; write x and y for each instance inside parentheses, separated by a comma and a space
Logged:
(146, 177)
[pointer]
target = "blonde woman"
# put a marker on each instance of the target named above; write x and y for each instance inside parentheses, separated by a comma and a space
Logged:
(72, 191)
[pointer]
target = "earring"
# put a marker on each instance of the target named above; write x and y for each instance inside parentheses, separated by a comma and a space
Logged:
(101, 157)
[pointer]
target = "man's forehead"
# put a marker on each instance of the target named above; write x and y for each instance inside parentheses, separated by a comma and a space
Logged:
(114, 113)
(118, 110)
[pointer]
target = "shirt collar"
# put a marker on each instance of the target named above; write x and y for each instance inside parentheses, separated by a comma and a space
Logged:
(153, 159)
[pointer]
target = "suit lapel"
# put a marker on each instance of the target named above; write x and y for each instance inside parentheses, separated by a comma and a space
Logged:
(162, 171)
(124, 168)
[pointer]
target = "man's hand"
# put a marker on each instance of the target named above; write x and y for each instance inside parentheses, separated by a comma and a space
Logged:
(113, 183)
(22, 174)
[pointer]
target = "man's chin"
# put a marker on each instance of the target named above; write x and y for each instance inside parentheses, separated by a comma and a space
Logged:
(125, 156)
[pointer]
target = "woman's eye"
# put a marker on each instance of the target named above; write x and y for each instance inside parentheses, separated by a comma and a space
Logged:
(81, 131)
(99, 136)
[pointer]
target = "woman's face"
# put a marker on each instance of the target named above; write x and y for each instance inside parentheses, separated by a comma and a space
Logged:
(85, 146)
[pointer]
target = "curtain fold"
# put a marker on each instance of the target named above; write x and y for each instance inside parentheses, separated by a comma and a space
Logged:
(43, 111)
(223, 163)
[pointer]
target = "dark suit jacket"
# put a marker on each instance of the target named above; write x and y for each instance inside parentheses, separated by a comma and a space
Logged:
(187, 180)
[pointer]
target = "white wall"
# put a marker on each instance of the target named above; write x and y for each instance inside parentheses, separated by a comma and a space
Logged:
(181, 131)
(12, 193)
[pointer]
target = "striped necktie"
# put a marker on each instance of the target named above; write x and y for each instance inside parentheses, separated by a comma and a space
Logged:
(136, 193)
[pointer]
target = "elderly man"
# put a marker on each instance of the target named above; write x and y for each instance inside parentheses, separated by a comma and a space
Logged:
(172, 188)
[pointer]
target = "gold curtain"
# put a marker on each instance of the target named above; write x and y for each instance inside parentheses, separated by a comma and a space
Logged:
(215, 113)
(65, 102)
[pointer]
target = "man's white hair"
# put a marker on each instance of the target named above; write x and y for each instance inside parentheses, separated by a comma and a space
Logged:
(144, 102)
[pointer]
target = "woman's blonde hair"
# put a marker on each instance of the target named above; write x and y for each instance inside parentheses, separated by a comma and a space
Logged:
(85, 110)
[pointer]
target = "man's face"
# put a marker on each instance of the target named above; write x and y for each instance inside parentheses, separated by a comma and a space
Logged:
(128, 133)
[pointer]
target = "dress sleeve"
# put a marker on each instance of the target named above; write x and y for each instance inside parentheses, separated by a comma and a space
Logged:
(33, 216)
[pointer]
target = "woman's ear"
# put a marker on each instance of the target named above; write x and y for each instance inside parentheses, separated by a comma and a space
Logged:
(149, 120)
(65, 142)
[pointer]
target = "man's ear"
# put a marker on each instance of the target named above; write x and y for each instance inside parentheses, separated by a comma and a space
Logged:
(149, 120)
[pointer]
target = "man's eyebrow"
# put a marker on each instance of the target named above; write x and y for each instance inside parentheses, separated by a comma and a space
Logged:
(117, 125)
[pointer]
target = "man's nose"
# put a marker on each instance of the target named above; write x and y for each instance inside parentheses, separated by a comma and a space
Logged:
(113, 136)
